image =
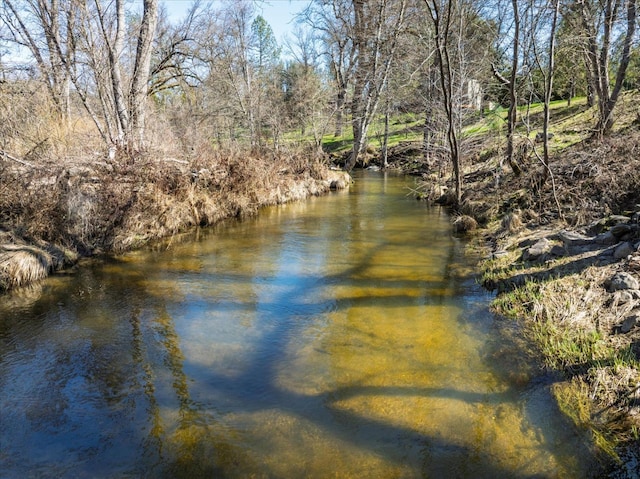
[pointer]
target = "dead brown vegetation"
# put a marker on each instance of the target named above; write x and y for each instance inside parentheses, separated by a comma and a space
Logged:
(571, 309)
(103, 206)
(63, 194)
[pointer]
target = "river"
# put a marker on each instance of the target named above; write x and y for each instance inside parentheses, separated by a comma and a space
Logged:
(337, 337)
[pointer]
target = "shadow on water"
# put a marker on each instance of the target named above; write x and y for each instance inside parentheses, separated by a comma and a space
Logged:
(106, 383)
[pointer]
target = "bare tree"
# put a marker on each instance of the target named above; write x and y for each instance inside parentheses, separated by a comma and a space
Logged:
(600, 22)
(377, 26)
(513, 89)
(333, 21)
(554, 5)
(46, 29)
(94, 34)
(520, 28)
(441, 15)
(141, 74)
(174, 62)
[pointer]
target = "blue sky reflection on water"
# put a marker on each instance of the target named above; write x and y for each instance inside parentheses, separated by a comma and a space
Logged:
(332, 337)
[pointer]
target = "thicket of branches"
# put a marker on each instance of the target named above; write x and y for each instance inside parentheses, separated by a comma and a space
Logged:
(129, 77)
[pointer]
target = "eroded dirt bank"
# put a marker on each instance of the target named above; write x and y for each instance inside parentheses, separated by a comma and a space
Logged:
(51, 214)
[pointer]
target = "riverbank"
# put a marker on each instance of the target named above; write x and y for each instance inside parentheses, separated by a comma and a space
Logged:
(562, 248)
(55, 213)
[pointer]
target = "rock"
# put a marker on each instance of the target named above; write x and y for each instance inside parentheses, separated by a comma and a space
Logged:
(606, 238)
(620, 230)
(534, 252)
(606, 253)
(558, 250)
(631, 235)
(464, 224)
(339, 180)
(629, 323)
(622, 251)
(622, 281)
(573, 238)
(499, 254)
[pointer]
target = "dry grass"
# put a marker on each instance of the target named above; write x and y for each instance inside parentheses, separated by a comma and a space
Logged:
(106, 207)
(464, 224)
(59, 191)
(22, 263)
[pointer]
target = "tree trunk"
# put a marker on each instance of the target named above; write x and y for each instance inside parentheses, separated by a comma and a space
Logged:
(599, 56)
(442, 28)
(341, 98)
(549, 85)
(385, 143)
(513, 96)
(140, 80)
(375, 41)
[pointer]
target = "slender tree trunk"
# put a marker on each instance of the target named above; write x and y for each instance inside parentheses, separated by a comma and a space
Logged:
(375, 42)
(549, 84)
(427, 134)
(340, 102)
(442, 28)
(117, 88)
(385, 143)
(140, 80)
(513, 95)
(598, 56)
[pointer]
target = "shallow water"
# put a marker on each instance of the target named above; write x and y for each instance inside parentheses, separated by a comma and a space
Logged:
(337, 337)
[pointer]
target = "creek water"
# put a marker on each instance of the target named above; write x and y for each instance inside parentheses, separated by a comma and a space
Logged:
(336, 337)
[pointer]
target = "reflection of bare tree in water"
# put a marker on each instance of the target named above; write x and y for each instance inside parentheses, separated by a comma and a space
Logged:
(189, 446)
(145, 383)
(199, 445)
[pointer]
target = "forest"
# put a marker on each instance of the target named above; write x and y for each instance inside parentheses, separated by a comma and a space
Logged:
(120, 124)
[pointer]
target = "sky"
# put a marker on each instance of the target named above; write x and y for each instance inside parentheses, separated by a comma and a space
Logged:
(278, 13)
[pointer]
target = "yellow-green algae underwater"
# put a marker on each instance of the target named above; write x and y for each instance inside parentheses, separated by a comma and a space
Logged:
(337, 337)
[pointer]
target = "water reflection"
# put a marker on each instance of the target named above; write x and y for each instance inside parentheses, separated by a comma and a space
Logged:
(327, 338)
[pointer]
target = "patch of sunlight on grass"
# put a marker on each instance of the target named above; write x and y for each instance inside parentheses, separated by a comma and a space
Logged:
(492, 121)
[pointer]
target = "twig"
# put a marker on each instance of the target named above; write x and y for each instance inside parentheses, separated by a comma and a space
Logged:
(6, 155)
(553, 181)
